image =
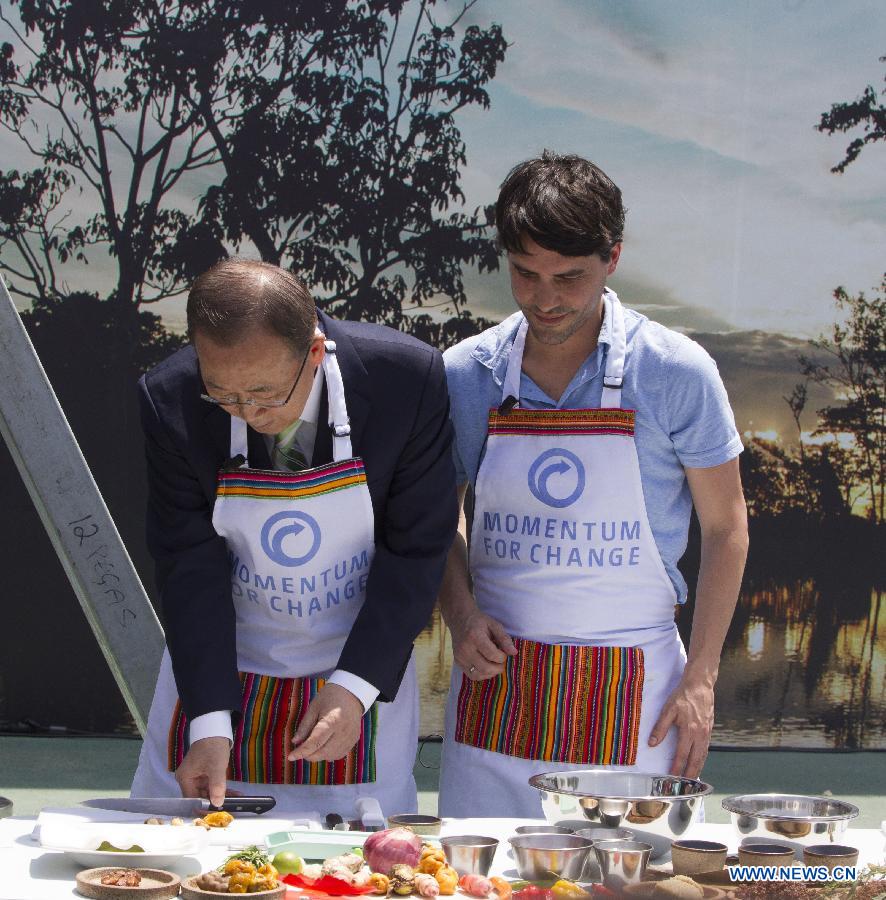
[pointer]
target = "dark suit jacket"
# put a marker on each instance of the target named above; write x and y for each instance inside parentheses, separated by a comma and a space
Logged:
(398, 405)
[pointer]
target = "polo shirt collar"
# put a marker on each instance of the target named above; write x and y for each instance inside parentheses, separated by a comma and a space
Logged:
(494, 348)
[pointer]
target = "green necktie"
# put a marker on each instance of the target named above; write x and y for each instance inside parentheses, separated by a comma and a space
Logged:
(287, 453)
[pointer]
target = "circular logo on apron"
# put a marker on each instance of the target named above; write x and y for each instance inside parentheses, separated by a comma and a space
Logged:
(557, 478)
(301, 535)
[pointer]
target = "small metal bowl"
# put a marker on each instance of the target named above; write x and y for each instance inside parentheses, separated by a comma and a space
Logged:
(622, 862)
(795, 818)
(541, 856)
(606, 834)
(657, 808)
(542, 829)
(469, 854)
(5, 807)
(429, 826)
(592, 868)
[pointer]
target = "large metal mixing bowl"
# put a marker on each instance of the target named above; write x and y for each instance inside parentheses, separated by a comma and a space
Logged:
(657, 808)
(789, 818)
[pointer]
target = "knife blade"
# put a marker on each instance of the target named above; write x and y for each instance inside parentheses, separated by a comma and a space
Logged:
(182, 806)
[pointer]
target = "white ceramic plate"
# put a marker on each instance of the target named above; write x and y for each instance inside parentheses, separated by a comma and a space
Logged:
(163, 844)
(93, 859)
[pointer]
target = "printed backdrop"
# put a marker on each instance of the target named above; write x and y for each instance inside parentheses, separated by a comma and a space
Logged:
(723, 124)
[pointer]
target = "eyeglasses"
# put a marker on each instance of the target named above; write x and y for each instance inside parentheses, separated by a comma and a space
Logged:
(260, 404)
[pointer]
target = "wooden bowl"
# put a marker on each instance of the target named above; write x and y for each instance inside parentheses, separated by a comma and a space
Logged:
(156, 884)
(190, 891)
(690, 857)
(647, 889)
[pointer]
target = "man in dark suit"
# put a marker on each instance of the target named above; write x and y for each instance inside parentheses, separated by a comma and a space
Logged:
(309, 556)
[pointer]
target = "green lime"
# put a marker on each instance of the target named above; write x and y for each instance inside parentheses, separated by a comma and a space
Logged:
(287, 863)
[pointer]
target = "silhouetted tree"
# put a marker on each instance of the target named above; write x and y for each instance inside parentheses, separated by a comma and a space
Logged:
(88, 106)
(866, 110)
(829, 480)
(765, 477)
(32, 230)
(326, 133)
(335, 125)
(854, 367)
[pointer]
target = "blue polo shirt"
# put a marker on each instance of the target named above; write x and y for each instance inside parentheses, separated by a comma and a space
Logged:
(682, 414)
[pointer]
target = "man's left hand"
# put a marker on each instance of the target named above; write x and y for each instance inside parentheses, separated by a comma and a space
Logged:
(330, 727)
(691, 709)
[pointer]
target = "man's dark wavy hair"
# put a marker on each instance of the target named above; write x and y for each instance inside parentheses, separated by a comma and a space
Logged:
(563, 203)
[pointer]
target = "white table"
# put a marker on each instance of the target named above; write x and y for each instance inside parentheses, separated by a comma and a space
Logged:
(27, 872)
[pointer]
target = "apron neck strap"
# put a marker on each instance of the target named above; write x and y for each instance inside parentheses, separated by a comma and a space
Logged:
(338, 410)
(615, 358)
(510, 394)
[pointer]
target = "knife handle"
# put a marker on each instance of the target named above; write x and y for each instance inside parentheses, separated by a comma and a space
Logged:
(257, 805)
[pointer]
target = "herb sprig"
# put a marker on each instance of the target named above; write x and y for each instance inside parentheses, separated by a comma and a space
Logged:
(254, 855)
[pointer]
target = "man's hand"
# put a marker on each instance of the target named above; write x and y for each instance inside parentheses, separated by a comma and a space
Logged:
(203, 771)
(691, 709)
(481, 645)
(330, 727)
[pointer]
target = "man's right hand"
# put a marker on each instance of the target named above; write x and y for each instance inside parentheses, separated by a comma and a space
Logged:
(481, 645)
(203, 771)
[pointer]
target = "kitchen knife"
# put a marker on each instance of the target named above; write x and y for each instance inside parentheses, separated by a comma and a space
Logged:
(182, 806)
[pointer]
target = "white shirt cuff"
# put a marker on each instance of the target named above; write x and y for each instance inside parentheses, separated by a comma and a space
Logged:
(361, 689)
(211, 724)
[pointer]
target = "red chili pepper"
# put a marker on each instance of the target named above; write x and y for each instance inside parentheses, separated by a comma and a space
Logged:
(533, 892)
(327, 884)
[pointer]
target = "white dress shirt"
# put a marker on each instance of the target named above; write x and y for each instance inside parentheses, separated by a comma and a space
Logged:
(218, 723)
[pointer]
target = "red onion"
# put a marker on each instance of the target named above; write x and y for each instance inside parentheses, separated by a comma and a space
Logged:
(387, 848)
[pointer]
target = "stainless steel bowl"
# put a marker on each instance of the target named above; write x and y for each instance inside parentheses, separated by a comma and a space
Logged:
(657, 808)
(542, 829)
(469, 853)
(592, 868)
(5, 807)
(791, 818)
(428, 826)
(622, 862)
(541, 856)
(606, 834)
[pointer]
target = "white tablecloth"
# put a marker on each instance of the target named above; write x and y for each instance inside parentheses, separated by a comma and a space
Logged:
(27, 872)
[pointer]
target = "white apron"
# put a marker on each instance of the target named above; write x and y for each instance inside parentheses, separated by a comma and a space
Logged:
(300, 545)
(562, 555)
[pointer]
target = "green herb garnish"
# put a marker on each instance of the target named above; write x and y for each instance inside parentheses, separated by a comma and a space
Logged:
(253, 855)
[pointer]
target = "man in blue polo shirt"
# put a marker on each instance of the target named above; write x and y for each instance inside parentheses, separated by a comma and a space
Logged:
(586, 433)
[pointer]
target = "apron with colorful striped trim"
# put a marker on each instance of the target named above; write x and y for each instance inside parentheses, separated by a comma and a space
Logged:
(300, 545)
(561, 553)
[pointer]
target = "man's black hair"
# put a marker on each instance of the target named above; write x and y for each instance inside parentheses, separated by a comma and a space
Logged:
(563, 203)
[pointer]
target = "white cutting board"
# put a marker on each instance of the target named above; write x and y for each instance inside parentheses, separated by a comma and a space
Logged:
(243, 831)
